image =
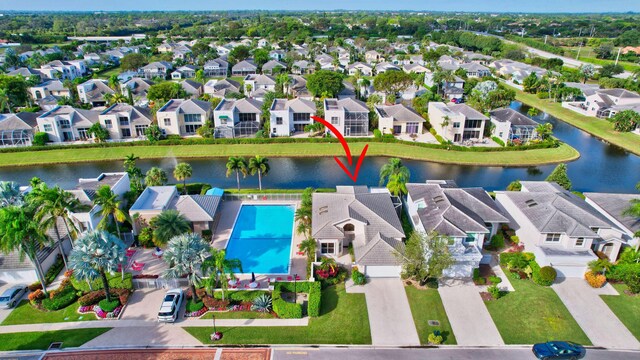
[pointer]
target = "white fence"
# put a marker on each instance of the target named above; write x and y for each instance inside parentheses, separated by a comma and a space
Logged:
(159, 283)
(261, 197)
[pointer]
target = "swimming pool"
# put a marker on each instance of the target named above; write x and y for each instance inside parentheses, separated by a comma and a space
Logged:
(261, 238)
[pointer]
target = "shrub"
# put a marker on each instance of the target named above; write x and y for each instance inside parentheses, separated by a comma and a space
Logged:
(115, 282)
(481, 281)
(377, 134)
(497, 140)
(36, 297)
(515, 239)
(495, 279)
(145, 238)
(315, 299)
(546, 276)
(200, 293)
(516, 260)
(35, 286)
(476, 274)
(435, 339)
(620, 272)
(497, 241)
(239, 296)
(595, 280)
(95, 297)
(194, 306)
(433, 131)
(109, 306)
(40, 139)
(358, 277)
(62, 299)
(215, 304)
(494, 291)
(633, 283)
(262, 303)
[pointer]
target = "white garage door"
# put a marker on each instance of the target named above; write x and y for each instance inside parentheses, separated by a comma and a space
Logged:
(383, 271)
(569, 271)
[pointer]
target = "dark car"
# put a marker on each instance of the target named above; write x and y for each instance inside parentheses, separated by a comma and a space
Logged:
(558, 350)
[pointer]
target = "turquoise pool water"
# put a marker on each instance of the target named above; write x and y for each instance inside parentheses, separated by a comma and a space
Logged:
(261, 238)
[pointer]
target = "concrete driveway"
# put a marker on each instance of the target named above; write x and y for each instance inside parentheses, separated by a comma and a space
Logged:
(390, 317)
(469, 317)
(145, 303)
(593, 315)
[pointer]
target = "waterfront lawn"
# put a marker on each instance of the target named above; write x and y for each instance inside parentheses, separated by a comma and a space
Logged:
(237, 315)
(426, 305)
(624, 306)
(563, 153)
(24, 313)
(343, 320)
(40, 340)
(532, 314)
(598, 127)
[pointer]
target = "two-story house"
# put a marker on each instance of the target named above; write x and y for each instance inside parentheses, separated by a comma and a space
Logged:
(237, 118)
(290, 116)
(399, 119)
(349, 116)
(157, 69)
(49, 88)
(93, 92)
(183, 117)
(457, 122)
(373, 56)
(510, 125)
(221, 88)
(139, 88)
(364, 69)
(184, 72)
(257, 85)
(244, 68)
(124, 121)
(65, 123)
(216, 68)
(273, 67)
(475, 70)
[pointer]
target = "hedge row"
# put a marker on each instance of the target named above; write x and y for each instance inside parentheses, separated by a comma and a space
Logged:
(287, 310)
(194, 188)
(283, 309)
(240, 295)
(115, 282)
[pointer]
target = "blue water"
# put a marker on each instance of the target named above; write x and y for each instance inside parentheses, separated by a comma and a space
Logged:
(261, 238)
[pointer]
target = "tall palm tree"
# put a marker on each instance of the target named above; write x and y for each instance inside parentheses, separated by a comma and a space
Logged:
(259, 165)
(111, 209)
(114, 83)
(237, 165)
(20, 232)
(220, 270)
(397, 185)
(96, 254)
(130, 161)
(155, 177)
(169, 224)
(10, 193)
(303, 217)
(182, 172)
(308, 247)
(394, 167)
(135, 174)
(634, 206)
(185, 255)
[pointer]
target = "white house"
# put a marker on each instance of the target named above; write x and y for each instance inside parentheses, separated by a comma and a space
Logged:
(612, 206)
(457, 122)
(183, 117)
(290, 116)
(398, 119)
(65, 123)
(124, 121)
(93, 92)
(237, 118)
(349, 116)
(510, 125)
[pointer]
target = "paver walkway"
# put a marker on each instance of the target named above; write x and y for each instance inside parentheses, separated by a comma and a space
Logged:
(144, 336)
(469, 317)
(390, 317)
(593, 315)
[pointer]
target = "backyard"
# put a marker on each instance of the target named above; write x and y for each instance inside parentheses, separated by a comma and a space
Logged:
(624, 306)
(426, 305)
(24, 313)
(41, 340)
(343, 320)
(532, 314)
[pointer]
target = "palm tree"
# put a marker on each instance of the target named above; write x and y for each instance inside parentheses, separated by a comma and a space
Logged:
(114, 83)
(237, 165)
(10, 193)
(303, 217)
(260, 165)
(185, 255)
(308, 247)
(544, 130)
(5, 102)
(130, 161)
(397, 185)
(19, 231)
(169, 224)
(96, 253)
(182, 172)
(634, 206)
(155, 177)
(220, 270)
(445, 122)
(110, 208)
(394, 167)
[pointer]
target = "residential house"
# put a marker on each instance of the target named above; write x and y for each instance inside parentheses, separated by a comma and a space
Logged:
(453, 89)
(17, 129)
(138, 88)
(475, 70)
(184, 72)
(605, 103)
(201, 211)
(398, 119)
(385, 66)
(349, 116)
(94, 91)
(124, 121)
(193, 88)
(183, 117)
(457, 122)
(613, 207)
(273, 67)
(65, 123)
(414, 68)
(257, 85)
(277, 54)
(216, 68)
(244, 68)
(446, 62)
(302, 67)
(297, 87)
(64, 70)
(366, 219)
(221, 88)
(237, 118)
(364, 69)
(516, 71)
(27, 73)
(156, 69)
(468, 217)
(223, 50)
(290, 116)
(373, 56)
(49, 88)
(182, 53)
(560, 228)
(166, 47)
(509, 125)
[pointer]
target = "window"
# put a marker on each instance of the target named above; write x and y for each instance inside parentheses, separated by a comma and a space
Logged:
(470, 238)
(65, 124)
(327, 248)
(108, 124)
(472, 124)
(278, 121)
(167, 122)
(140, 129)
(47, 127)
(126, 132)
(247, 117)
(595, 229)
(579, 241)
(124, 121)
(553, 238)
(82, 133)
(335, 120)
(192, 129)
(456, 125)
(192, 118)
(301, 116)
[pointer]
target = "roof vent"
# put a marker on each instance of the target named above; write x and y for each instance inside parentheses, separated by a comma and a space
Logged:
(531, 203)
(323, 210)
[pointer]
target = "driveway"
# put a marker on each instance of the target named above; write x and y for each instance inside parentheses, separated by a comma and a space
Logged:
(390, 317)
(160, 335)
(469, 317)
(144, 305)
(593, 315)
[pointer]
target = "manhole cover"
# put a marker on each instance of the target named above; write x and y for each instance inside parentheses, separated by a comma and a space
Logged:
(55, 346)
(433, 323)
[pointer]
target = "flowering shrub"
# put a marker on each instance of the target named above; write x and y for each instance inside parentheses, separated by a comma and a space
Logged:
(145, 276)
(215, 304)
(68, 273)
(197, 313)
(86, 309)
(36, 296)
(245, 306)
(594, 279)
(107, 315)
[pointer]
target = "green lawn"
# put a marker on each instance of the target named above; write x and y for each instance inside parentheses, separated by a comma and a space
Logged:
(563, 153)
(427, 305)
(343, 320)
(625, 306)
(533, 314)
(105, 74)
(237, 315)
(597, 127)
(24, 313)
(38, 340)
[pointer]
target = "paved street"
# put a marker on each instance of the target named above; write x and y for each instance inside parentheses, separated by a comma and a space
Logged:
(390, 317)
(594, 316)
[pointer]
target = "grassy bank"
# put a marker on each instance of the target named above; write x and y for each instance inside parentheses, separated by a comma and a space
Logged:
(426, 305)
(563, 153)
(594, 126)
(624, 305)
(24, 313)
(40, 340)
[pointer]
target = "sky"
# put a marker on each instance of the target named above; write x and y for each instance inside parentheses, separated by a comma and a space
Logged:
(431, 5)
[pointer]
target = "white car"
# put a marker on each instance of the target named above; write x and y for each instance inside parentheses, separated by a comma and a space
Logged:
(171, 305)
(12, 296)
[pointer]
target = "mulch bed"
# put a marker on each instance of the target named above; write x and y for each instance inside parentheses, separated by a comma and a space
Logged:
(486, 296)
(162, 354)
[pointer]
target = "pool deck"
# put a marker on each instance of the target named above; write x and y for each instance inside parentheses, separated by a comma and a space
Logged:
(228, 213)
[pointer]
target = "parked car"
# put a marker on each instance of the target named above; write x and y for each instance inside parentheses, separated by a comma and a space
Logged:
(558, 350)
(171, 305)
(11, 296)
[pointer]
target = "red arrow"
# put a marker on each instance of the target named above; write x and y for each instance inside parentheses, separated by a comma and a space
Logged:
(345, 146)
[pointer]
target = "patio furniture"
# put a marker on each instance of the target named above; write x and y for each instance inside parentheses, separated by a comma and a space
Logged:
(130, 252)
(233, 283)
(290, 278)
(254, 285)
(137, 266)
(297, 277)
(279, 279)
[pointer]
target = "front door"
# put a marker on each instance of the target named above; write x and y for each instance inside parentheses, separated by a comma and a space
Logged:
(397, 129)
(347, 131)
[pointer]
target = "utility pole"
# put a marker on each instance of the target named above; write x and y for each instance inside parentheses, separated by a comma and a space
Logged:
(522, 34)
(580, 48)
(618, 56)
(545, 39)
